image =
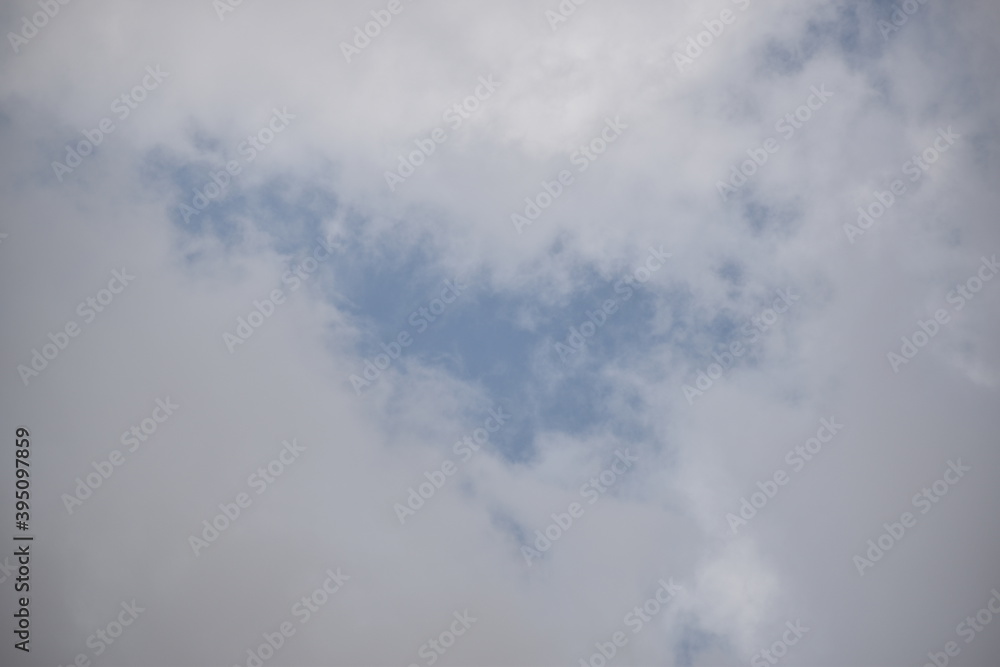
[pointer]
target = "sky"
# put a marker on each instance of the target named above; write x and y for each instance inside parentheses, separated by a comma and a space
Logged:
(428, 332)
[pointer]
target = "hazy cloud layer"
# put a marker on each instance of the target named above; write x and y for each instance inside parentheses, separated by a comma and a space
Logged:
(507, 329)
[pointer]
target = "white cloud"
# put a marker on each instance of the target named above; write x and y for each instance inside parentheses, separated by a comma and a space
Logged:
(656, 185)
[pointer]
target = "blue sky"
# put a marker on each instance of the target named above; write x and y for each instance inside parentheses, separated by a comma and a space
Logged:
(711, 336)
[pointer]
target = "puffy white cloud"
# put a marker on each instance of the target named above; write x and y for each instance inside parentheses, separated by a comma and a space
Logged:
(656, 184)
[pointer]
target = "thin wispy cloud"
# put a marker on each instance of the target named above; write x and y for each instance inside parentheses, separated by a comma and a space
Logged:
(450, 333)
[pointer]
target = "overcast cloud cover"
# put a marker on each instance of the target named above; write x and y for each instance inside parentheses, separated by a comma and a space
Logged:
(729, 350)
